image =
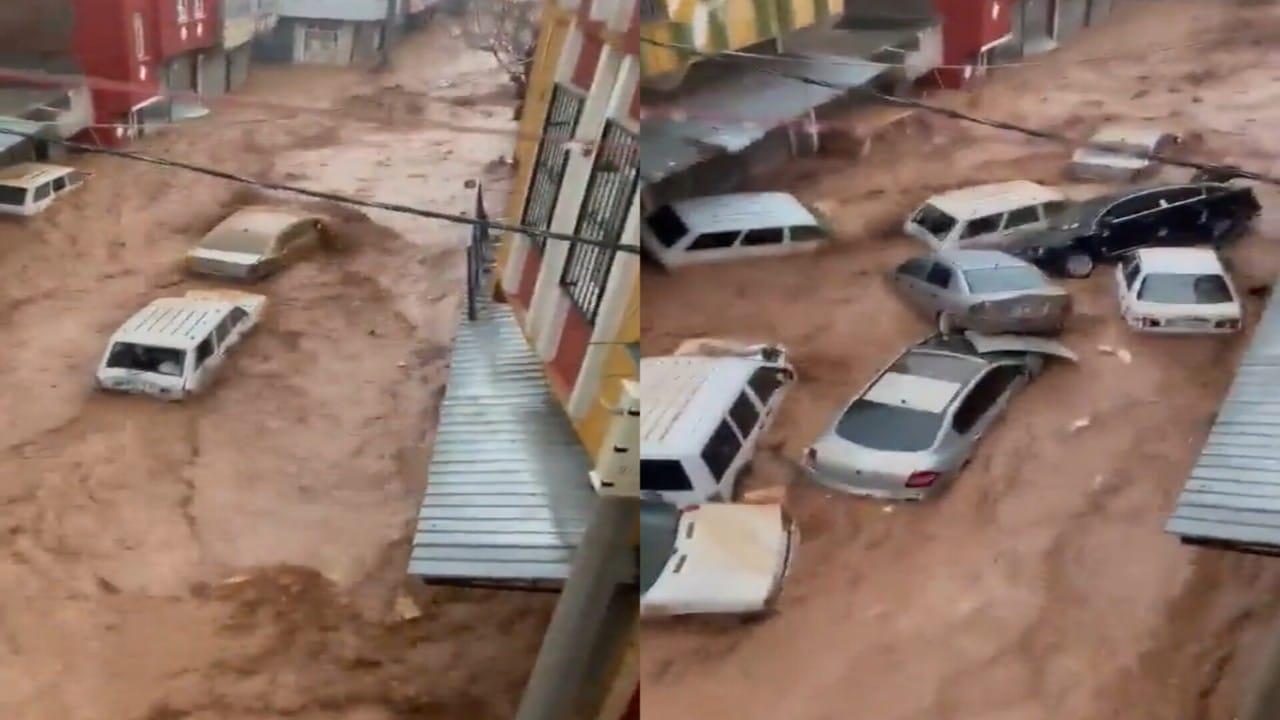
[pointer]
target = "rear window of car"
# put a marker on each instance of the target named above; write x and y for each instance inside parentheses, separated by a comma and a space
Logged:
(658, 526)
(1185, 289)
(886, 427)
(1005, 279)
(666, 226)
(936, 222)
(13, 196)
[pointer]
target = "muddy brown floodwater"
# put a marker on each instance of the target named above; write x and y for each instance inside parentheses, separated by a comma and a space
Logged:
(237, 556)
(1042, 587)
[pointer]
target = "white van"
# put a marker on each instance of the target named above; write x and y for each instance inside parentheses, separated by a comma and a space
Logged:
(701, 417)
(720, 228)
(174, 346)
(984, 216)
(28, 188)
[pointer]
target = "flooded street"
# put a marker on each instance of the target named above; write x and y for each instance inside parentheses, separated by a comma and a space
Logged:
(1042, 586)
(240, 553)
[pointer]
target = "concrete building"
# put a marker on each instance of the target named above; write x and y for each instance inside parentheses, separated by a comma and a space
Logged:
(331, 32)
(225, 66)
(710, 125)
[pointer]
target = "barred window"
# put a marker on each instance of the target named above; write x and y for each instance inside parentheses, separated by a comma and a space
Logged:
(563, 113)
(611, 190)
(653, 10)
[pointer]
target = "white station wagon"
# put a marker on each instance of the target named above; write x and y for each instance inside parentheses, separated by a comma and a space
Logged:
(1177, 290)
(736, 226)
(29, 188)
(984, 216)
(173, 347)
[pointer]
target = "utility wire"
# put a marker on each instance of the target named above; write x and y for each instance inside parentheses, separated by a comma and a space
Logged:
(1228, 170)
(323, 195)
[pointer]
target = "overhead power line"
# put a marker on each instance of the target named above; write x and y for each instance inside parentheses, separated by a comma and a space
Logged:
(994, 123)
(323, 195)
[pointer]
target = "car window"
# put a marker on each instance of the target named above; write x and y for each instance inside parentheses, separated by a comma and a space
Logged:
(917, 268)
(659, 524)
(1132, 206)
(1003, 279)
(1022, 216)
(888, 427)
(146, 358)
(982, 396)
(713, 241)
(982, 225)
(744, 414)
(204, 350)
(42, 191)
(721, 450)
(765, 382)
(60, 184)
(666, 226)
(806, 233)
(1185, 289)
(940, 275)
(936, 222)
(1130, 268)
(663, 476)
(13, 196)
(763, 236)
(1181, 194)
(222, 330)
(1054, 208)
(236, 316)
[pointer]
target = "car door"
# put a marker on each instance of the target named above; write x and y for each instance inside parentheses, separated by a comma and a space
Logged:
(909, 281)
(1127, 224)
(937, 287)
(1179, 217)
(1002, 382)
(1020, 222)
(205, 365)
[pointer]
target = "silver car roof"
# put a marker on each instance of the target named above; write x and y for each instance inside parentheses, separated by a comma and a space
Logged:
(971, 259)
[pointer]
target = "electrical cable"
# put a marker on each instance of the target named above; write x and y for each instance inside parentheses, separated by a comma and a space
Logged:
(323, 195)
(1161, 159)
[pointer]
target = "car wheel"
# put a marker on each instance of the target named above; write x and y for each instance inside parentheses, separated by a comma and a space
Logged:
(946, 324)
(1078, 265)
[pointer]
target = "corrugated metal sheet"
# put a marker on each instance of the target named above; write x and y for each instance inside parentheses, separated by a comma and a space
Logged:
(1233, 495)
(508, 496)
(752, 100)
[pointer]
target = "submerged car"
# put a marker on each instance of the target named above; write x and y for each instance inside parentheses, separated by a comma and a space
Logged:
(175, 346)
(1117, 152)
(1178, 291)
(912, 430)
(984, 216)
(1105, 228)
(255, 242)
(721, 558)
(734, 226)
(984, 290)
(29, 188)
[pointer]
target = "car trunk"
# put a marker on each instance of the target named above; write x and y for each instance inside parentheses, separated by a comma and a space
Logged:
(1046, 306)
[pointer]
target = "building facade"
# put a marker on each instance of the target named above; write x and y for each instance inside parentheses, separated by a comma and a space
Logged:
(186, 32)
(115, 41)
(331, 32)
(577, 172)
(225, 66)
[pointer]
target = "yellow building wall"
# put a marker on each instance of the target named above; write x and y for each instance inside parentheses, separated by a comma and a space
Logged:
(551, 40)
(619, 365)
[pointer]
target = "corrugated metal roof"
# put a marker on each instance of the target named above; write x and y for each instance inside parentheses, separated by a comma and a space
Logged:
(752, 100)
(508, 496)
(1233, 494)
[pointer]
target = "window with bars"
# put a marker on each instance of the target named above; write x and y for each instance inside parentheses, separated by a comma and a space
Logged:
(609, 195)
(563, 113)
(653, 10)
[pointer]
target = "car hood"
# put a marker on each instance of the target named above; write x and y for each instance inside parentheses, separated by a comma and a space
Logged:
(1019, 343)
(733, 555)
(234, 258)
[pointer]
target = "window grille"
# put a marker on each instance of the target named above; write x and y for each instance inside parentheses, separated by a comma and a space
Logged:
(563, 113)
(610, 192)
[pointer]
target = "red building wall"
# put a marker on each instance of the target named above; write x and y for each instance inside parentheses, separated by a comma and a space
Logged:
(178, 34)
(109, 46)
(967, 27)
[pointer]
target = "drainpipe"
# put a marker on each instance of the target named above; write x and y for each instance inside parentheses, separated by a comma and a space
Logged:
(604, 560)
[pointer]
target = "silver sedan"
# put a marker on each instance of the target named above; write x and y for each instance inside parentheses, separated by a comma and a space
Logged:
(984, 290)
(913, 429)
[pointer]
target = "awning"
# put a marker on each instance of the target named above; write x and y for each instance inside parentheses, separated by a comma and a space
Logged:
(731, 112)
(508, 495)
(1232, 498)
(27, 127)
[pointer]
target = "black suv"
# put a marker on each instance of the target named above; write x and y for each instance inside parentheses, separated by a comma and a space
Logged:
(1103, 228)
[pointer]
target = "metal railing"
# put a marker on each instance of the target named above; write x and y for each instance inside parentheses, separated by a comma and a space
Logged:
(479, 260)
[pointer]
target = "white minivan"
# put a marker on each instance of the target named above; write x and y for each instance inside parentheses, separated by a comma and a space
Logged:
(988, 216)
(28, 188)
(737, 226)
(173, 347)
(701, 417)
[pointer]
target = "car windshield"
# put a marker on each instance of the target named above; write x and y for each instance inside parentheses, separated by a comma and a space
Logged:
(666, 226)
(237, 241)
(886, 427)
(1003, 279)
(658, 525)
(1185, 289)
(146, 358)
(13, 195)
(936, 222)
